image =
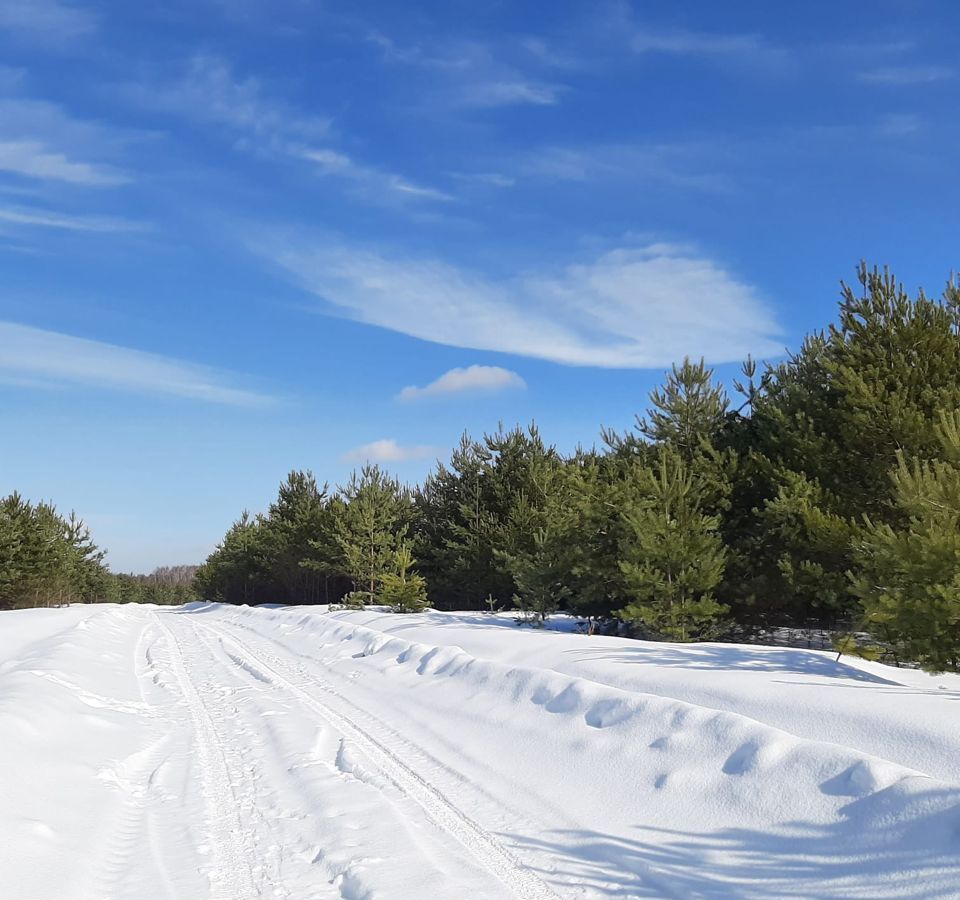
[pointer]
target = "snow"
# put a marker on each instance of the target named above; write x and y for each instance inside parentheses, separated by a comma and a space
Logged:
(235, 753)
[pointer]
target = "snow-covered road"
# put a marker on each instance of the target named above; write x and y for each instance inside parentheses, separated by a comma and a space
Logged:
(234, 753)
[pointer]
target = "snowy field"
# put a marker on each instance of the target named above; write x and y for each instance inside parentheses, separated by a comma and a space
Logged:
(237, 753)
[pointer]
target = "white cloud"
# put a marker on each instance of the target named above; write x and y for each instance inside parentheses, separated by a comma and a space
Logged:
(473, 74)
(511, 92)
(32, 159)
(374, 181)
(209, 91)
(46, 20)
(387, 450)
(472, 378)
(897, 125)
(686, 166)
(46, 219)
(620, 25)
(212, 93)
(495, 179)
(34, 354)
(695, 43)
(40, 140)
(634, 307)
(906, 75)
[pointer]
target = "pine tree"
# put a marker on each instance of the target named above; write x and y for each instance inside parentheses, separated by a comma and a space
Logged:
(825, 433)
(370, 523)
(456, 528)
(403, 589)
(470, 518)
(296, 538)
(687, 412)
(909, 575)
(673, 558)
(46, 559)
(236, 572)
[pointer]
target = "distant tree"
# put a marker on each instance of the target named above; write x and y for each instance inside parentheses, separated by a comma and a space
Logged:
(236, 570)
(296, 538)
(470, 514)
(456, 530)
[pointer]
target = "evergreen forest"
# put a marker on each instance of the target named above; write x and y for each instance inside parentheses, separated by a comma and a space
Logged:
(822, 491)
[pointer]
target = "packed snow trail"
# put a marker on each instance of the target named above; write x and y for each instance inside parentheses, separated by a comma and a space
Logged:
(522, 882)
(217, 752)
(232, 878)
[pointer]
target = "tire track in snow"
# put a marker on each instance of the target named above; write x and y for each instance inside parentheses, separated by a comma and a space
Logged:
(231, 878)
(486, 849)
(133, 777)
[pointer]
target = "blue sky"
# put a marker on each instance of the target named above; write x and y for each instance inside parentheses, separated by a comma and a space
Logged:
(243, 236)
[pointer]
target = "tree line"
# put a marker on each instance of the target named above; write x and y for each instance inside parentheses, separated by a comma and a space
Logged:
(826, 492)
(50, 559)
(46, 559)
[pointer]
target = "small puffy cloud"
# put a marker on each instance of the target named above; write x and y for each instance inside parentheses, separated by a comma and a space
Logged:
(458, 381)
(388, 450)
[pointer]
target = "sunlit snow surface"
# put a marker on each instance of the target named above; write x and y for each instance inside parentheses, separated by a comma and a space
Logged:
(236, 753)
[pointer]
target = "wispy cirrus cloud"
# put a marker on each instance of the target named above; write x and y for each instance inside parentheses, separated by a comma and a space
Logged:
(493, 179)
(47, 21)
(509, 92)
(620, 25)
(334, 164)
(693, 166)
(29, 356)
(39, 140)
(33, 217)
(682, 42)
(899, 125)
(387, 450)
(906, 75)
(209, 90)
(475, 74)
(33, 159)
(471, 379)
(633, 307)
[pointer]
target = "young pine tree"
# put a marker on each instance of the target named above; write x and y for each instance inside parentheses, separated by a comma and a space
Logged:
(370, 524)
(827, 432)
(403, 589)
(673, 557)
(686, 413)
(909, 576)
(294, 534)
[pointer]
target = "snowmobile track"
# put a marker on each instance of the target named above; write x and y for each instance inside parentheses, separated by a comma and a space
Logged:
(231, 878)
(487, 850)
